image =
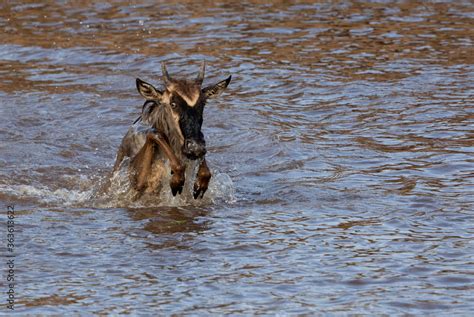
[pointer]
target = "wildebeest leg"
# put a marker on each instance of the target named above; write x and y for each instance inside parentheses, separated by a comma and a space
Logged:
(202, 179)
(141, 164)
(177, 168)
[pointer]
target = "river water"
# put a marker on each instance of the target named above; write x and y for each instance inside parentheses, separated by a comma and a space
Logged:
(342, 155)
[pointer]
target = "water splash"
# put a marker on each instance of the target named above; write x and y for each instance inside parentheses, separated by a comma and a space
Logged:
(45, 195)
(119, 193)
(114, 191)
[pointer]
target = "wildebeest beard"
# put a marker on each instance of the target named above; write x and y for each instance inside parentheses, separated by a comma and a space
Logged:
(159, 117)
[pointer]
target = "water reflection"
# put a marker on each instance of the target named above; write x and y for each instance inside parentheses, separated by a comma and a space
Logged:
(172, 219)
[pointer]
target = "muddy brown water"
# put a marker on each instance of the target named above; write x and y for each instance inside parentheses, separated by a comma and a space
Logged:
(342, 155)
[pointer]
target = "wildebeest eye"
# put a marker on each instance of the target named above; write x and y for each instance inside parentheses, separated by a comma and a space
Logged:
(174, 105)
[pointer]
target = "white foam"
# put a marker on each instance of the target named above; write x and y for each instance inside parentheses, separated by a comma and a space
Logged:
(115, 192)
(45, 195)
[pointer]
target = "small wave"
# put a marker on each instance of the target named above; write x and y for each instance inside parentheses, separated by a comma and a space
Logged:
(45, 195)
(116, 192)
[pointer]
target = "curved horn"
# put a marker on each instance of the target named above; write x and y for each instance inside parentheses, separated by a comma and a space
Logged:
(166, 76)
(200, 77)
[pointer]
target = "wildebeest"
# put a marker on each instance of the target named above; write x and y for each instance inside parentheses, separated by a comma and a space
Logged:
(169, 129)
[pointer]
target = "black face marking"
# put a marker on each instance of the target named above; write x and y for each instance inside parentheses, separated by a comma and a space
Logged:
(190, 118)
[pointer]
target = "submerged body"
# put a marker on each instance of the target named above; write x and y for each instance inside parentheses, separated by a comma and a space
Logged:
(132, 143)
(169, 131)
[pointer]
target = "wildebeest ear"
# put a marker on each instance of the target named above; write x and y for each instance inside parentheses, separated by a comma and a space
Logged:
(215, 90)
(148, 91)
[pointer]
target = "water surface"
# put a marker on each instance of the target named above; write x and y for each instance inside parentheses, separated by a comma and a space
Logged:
(342, 155)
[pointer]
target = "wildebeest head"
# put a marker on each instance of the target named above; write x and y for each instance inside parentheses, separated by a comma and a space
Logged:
(183, 101)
